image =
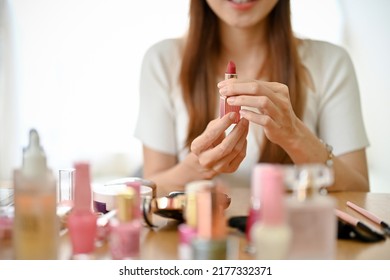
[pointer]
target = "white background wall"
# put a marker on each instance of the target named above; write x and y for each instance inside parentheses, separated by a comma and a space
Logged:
(78, 67)
(368, 39)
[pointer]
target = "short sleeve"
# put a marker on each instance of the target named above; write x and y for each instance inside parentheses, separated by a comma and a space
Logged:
(155, 126)
(340, 121)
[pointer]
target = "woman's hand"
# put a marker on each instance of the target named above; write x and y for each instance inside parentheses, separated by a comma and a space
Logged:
(220, 153)
(271, 104)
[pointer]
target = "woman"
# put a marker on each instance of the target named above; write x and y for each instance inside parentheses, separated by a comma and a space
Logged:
(296, 95)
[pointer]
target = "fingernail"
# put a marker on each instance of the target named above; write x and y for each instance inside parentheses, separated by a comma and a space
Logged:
(231, 100)
(222, 91)
(232, 116)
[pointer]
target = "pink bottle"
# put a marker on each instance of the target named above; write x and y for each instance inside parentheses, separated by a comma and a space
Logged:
(271, 235)
(254, 210)
(81, 222)
(125, 228)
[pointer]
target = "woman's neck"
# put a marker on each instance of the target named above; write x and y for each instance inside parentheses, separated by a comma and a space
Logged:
(246, 47)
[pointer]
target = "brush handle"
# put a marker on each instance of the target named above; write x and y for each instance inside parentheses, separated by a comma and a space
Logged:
(364, 212)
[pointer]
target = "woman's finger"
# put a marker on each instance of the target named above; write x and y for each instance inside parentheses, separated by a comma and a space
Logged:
(231, 162)
(211, 156)
(213, 133)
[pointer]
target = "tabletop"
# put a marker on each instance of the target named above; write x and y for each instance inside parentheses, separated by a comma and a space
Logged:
(162, 241)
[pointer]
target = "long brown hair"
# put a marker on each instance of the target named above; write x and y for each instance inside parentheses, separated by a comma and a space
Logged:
(197, 76)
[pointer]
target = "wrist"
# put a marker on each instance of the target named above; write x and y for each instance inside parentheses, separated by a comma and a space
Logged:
(194, 170)
(306, 147)
(298, 140)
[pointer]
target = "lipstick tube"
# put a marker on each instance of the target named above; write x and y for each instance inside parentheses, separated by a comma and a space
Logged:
(224, 107)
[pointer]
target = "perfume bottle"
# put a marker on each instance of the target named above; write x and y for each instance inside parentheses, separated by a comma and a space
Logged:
(311, 212)
(82, 221)
(36, 226)
(271, 235)
(125, 228)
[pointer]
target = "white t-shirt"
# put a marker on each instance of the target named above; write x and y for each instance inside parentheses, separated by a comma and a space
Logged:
(333, 109)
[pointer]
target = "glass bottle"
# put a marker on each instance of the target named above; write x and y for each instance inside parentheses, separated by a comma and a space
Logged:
(311, 212)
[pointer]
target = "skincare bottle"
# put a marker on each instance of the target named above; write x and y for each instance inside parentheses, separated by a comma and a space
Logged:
(125, 228)
(36, 226)
(210, 242)
(271, 235)
(254, 209)
(82, 221)
(311, 213)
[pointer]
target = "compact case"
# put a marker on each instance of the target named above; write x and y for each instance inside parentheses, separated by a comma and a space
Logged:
(104, 194)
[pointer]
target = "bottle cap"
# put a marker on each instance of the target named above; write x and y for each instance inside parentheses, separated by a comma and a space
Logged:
(308, 180)
(256, 183)
(125, 205)
(82, 187)
(272, 194)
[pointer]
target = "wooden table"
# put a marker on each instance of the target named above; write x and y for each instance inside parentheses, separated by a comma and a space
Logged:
(162, 242)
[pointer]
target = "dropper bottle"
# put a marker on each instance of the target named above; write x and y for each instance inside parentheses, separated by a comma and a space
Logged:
(36, 226)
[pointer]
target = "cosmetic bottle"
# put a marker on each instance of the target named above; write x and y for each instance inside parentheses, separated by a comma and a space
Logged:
(188, 229)
(271, 234)
(186, 234)
(36, 226)
(82, 221)
(311, 212)
(254, 209)
(210, 242)
(125, 228)
(191, 189)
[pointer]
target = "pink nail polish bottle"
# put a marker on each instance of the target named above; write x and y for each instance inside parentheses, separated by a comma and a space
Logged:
(125, 228)
(81, 222)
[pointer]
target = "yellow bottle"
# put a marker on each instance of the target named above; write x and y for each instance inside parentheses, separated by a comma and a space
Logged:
(36, 226)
